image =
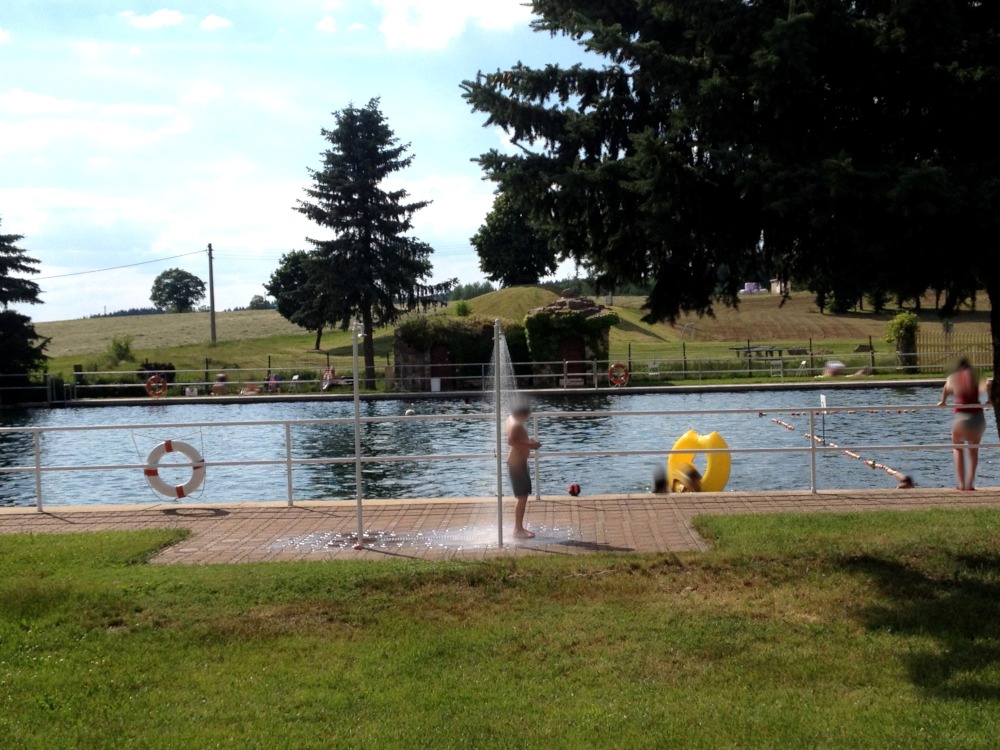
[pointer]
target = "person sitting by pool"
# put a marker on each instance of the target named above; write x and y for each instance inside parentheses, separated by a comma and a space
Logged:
(969, 424)
(328, 376)
(219, 386)
(833, 368)
(687, 479)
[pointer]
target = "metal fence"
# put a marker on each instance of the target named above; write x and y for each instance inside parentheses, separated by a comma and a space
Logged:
(288, 462)
(942, 349)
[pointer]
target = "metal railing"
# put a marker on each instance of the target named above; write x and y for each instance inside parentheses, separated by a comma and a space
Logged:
(589, 373)
(289, 461)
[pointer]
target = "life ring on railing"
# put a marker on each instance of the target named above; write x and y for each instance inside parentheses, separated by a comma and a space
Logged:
(717, 465)
(152, 470)
(618, 374)
(156, 386)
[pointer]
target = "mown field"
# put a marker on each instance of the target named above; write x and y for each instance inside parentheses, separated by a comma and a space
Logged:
(249, 338)
(824, 631)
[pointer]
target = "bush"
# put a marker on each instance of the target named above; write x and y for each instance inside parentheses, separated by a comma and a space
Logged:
(164, 369)
(902, 331)
(462, 308)
(903, 328)
(120, 348)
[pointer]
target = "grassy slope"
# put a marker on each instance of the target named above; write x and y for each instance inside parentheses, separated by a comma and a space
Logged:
(512, 303)
(822, 631)
(248, 338)
(763, 319)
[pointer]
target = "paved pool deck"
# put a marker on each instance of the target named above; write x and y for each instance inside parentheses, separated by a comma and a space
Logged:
(460, 528)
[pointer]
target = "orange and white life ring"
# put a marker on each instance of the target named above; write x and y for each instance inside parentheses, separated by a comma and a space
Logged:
(618, 374)
(152, 470)
(156, 386)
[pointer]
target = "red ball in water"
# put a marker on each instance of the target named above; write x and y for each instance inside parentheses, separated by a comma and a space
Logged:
(573, 489)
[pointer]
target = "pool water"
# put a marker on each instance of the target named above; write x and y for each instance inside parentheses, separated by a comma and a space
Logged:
(594, 431)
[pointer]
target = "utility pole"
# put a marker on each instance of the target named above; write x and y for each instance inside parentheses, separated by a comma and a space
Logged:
(211, 291)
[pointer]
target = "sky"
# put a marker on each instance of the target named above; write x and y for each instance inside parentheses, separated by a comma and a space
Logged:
(134, 132)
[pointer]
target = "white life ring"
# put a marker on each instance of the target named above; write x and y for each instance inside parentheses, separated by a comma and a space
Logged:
(152, 470)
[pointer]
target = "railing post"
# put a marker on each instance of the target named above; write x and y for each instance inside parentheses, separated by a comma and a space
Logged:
(37, 440)
(595, 374)
(565, 374)
(288, 461)
(534, 430)
(812, 451)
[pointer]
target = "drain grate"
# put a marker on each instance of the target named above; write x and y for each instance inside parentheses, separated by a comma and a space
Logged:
(460, 538)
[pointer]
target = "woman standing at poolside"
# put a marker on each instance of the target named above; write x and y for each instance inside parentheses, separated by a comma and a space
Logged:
(970, 422)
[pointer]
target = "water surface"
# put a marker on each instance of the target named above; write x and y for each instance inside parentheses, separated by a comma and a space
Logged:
(418, 478)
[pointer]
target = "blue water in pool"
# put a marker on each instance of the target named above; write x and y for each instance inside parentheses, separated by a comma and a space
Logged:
(597, 475)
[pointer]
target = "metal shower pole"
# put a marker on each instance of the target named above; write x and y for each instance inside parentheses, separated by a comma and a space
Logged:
(497, 407)
(357, 442)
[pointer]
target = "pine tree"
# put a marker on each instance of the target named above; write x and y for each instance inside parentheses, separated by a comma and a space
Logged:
(370, 267)
(22, 350)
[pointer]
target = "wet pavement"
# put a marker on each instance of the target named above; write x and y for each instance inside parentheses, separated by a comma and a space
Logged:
(462, 528)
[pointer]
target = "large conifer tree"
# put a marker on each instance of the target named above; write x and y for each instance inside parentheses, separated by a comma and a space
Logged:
(850, 145)
(370, 266)
(22, 350)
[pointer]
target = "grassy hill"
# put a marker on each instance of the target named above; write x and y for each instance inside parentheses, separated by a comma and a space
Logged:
(249, 338)
(510, 304)
(763, 318)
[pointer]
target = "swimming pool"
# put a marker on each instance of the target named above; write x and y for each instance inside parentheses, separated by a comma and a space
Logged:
(594, 429)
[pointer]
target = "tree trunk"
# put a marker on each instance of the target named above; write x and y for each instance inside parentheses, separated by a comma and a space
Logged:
(369, 348)
(319, 337)
(993, 292)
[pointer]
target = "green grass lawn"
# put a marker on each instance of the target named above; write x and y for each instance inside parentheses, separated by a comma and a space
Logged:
(820, 631)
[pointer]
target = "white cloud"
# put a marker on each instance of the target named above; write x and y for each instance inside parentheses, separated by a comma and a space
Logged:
(459, 204)
(203, 92)
(432, 24)
(27, 103)
(357, 26)
(90, 49)
(41, 133)
(156, 20)
(4, 35)
(327, 24)
(214, 23)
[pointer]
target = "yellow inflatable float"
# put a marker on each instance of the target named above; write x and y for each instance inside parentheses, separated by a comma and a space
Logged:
(717, 465)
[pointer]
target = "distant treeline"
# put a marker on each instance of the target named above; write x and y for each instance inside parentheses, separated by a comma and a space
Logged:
(130, 311)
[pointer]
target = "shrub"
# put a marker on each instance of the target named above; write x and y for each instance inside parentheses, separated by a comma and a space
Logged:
(462, 308)
(903, 329)
(120, 348)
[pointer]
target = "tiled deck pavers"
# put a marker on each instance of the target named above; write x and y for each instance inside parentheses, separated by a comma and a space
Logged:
(459, 528)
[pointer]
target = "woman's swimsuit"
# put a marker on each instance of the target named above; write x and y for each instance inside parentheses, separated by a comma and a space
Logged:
(967, 416)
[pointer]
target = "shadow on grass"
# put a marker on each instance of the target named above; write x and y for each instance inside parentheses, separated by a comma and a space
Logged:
(628, 325)
(959, 608)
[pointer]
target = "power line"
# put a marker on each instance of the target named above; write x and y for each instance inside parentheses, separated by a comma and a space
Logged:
(115, 268)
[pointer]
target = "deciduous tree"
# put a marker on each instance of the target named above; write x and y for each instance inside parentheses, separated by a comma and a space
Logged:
(297, 295)
(177, 290)
(510, 250)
